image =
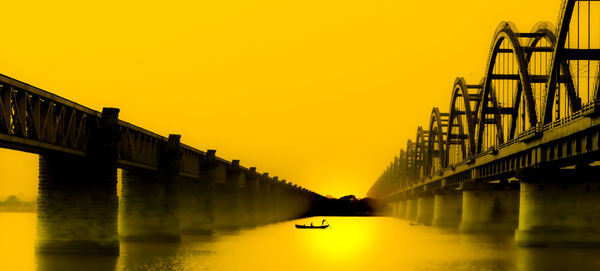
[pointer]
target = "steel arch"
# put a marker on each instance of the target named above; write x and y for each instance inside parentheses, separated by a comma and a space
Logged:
(460, 88)
(504, 31)
(436, 133)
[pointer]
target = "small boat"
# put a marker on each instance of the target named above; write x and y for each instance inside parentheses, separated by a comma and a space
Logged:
(323, 226)
(311, 227)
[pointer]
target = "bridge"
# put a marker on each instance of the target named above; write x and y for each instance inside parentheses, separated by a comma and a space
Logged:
(168, 188)
(518, 150)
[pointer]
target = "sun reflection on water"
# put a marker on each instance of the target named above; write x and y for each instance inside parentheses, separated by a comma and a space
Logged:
(338, 244)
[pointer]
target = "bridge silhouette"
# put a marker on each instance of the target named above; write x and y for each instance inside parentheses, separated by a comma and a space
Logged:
(168, 188)
(518, 150)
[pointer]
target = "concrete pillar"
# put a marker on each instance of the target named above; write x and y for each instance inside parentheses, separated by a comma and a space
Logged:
(77, 196)
(447, 208)
(227, 198)
(262, 210)
(560, 211)
(195, 206)
(425, 209)
(248, 198)
(284, 201)
(489, 207)
(294, 202)
(394, 205)
(274, 200)
(411, 209)
(402, 208)
(150, 200)
(306, 202)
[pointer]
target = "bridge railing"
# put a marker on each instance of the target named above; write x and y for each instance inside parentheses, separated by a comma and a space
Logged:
(35, 120)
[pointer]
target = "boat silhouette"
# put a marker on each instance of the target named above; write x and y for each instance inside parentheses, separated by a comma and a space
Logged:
(311, 226)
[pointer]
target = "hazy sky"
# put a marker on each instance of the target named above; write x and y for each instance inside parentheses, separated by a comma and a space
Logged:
(321, 93)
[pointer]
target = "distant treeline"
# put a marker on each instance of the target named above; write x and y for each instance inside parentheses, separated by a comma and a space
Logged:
(346, 206)
(13, 204)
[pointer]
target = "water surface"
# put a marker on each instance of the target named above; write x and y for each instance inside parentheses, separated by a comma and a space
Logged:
(352, 243)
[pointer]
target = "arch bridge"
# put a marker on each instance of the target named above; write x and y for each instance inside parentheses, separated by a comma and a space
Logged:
(518, 150)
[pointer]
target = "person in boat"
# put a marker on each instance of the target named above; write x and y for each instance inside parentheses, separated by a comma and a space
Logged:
(311, 224)
(323, 222)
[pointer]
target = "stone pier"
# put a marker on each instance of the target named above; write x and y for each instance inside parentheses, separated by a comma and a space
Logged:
(262, 212)
(411, 209)
(447, 208)
(425, 209)
(150, 200)
(228, 213)
(77, 196)
(488, 207)
(248, 198)
(195, 206)
(402, 208)
(275, 200)
(560, 209)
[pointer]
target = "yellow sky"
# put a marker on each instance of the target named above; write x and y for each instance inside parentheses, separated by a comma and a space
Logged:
(321, 93)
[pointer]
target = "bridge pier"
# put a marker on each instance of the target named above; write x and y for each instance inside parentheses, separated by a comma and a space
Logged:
(195, 206)
(77, 199)
(402, 208)
(393, 205)
(283, 201)
(489, 207)
(411, 209)
(77, 206)
(425, 209)
(262, 212)
(275, 200)
(399, 206)
(227, 198)
(150, 200)
(560, 209)
(447, 208)
(248, 199)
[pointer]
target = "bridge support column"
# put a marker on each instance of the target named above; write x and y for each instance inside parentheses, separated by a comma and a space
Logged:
(560, 209)
(77, 198)
(402, 208)
(195, 206)
(425, 209)
(248, 199)
(275, 200)
(150, 199)
(77, 206)
(411, 209)
(263, 208)
(489, 207)
(448, 208)
(227, 198)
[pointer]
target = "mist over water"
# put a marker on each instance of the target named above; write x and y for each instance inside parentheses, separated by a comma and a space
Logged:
(352, 243)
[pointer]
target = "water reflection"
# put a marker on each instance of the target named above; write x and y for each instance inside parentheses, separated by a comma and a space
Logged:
(352, 243)
(75, 262)
(553, 258)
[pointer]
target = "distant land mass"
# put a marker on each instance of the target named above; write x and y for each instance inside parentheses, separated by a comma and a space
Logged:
(13, 204)
(347, 206)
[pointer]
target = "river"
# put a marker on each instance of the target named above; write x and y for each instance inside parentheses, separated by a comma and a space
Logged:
(352, 243)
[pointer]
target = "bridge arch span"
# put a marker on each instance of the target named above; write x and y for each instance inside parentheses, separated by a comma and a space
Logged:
(420, 153)
(437, 135)
(501, 94)
(461, 124)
